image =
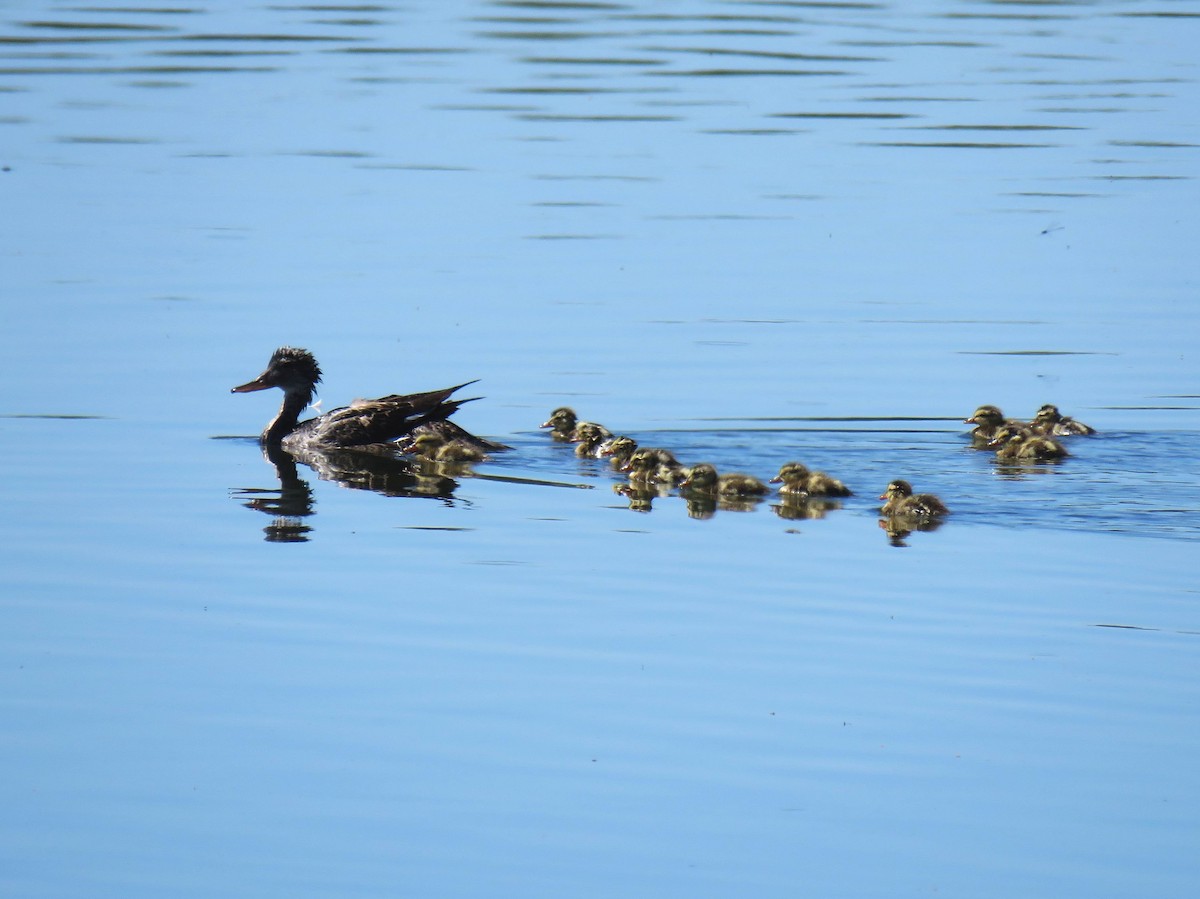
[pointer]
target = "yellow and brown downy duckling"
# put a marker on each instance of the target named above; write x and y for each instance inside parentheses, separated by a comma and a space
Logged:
(619, 450)
(561, 423)
(1021, 444)
(703, 478)
(988, 420)
(797, 480)
(591, 438)
(899, 499)
(653, 465)
(1049, 422)
(436, 448)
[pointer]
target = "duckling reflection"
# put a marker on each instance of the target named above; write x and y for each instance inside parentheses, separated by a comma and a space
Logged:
(802, 507)
(642, 494)
(900, 525)
(1049, 422)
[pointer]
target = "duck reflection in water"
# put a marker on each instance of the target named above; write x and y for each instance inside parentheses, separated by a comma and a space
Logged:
(352, 445)
(358, 469)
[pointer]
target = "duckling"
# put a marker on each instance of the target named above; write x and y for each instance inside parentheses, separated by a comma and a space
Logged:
(703, 479)
(562, 423)
(652, 465)
(1049, 422)
(900, 500)
(797, 480)
(1024, 445)
(436, 448)
(987, 420)
(592, 438)
(619, 450)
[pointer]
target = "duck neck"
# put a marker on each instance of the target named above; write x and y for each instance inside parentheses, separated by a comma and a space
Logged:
(294, 402)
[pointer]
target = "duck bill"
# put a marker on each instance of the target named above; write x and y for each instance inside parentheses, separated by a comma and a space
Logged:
(259, 383)
(775, 480)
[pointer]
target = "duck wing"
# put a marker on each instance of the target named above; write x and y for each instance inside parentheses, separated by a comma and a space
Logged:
(378, 421)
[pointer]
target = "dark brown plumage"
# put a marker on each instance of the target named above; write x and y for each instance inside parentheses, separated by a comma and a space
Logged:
(363, 422)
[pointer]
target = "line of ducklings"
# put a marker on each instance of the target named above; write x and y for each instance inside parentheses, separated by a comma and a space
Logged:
(653, 472)
(1018, 441)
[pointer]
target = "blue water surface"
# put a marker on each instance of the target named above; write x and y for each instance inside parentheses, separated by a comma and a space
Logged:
(748, 232)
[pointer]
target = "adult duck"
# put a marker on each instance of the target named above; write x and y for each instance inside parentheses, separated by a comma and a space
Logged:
(363, 422)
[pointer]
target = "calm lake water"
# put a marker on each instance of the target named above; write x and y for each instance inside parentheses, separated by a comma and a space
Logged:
(750, 232)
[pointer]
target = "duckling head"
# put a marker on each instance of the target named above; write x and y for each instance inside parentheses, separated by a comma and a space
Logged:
(701, 477)
(426, 444)
(897, 489)
(985, 415)
(619, 446)
(561, 419)
(791, 473)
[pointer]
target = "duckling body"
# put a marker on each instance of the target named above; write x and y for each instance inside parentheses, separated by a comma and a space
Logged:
(436, 448)
(797, 480)
(1024, 445)
(591, 438)
(988, 420)
(704, 479)
(653, 465)
(619, 450)
(900, 500)
(1049, 422)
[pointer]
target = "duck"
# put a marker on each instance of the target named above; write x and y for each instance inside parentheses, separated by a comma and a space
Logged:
(1049, 422)
(1024, 445)
(900, 500)
(561, 423)
(364, 422)
(436, 448)
(987, 420)
(797, 480)
(592, 439)
(653, 465)
(619, 450)
(703, 479)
